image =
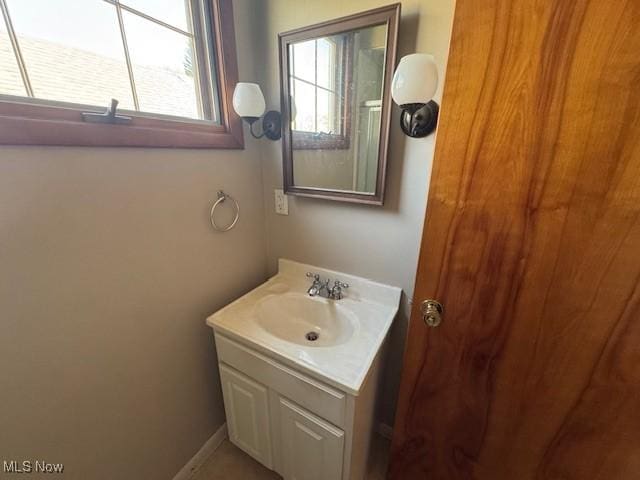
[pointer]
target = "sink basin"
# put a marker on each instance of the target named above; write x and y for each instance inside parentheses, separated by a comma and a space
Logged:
(334, 341)
(300, 319)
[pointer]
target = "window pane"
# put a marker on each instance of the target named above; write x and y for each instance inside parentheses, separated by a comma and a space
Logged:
(304, 60)
(163, 68)
(173, 12)
(10, 79)
(72, 50)
(327, 121)
(305, 107)
(326, 63)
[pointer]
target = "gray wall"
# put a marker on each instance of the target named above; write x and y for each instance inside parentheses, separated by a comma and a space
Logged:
(378, 243)
(108, 269)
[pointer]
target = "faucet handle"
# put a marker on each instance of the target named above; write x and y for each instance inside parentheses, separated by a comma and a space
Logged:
(336, 291)
(315, 276)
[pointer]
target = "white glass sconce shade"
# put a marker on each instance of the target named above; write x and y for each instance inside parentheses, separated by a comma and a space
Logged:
(248, 101)
(415, 80)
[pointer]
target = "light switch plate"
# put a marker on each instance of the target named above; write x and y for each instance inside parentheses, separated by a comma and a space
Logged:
(282, 202)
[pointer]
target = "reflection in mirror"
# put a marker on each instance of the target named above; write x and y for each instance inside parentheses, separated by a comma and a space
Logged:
(336, 86)
(319, 91)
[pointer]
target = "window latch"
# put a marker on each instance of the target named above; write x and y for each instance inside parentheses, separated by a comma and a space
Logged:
(110, 116)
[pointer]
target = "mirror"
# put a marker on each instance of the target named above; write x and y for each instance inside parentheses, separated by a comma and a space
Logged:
(336, 106)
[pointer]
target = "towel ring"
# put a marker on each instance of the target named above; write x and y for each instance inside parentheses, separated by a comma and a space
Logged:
(221, 198)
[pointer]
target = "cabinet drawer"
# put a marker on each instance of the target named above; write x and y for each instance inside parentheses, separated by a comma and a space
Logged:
(307, 392)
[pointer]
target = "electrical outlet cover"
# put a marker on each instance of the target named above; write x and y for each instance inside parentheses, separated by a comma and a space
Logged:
(282, 202)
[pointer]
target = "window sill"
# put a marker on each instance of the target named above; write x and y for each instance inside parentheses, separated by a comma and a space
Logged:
(314, 141)
(23, 124)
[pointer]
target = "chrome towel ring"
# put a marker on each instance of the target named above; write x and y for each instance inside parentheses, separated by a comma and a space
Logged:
(221, 198)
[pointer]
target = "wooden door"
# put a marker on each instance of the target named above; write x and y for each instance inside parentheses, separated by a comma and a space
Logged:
(246, 404)
(532, 243)
(312, 448)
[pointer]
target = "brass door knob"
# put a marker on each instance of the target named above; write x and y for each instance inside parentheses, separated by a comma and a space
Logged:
(432, 311)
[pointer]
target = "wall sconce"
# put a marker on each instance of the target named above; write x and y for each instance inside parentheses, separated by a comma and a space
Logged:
(248, 102)
(414, 85)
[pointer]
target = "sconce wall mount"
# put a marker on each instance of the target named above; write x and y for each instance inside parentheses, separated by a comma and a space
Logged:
(419, 119)
(271, 125)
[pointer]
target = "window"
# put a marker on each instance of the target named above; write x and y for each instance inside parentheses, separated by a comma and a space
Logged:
(319, 93)
(170, 64)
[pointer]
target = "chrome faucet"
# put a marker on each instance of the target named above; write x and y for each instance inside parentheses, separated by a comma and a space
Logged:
(318, 286)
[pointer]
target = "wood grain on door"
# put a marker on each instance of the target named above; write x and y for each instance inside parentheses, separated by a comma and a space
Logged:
(532, 243)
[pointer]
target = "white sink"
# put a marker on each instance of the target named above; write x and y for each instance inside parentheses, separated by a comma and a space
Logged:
(301, 319)
(276, 317)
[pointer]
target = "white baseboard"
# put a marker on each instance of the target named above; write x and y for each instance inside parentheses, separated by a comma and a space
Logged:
(385, 430)
(201, 456)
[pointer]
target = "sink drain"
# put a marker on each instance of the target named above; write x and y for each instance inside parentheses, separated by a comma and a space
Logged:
(312, 336)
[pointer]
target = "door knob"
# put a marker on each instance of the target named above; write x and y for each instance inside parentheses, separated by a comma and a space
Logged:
(431, 312)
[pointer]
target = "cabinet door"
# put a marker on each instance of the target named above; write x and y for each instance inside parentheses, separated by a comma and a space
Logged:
(311, 448)
(246, 403)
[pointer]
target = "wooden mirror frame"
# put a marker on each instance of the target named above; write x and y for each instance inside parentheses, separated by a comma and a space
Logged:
(389, 16)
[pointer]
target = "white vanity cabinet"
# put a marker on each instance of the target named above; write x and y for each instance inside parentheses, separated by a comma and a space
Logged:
(290, 422)
(300, 372)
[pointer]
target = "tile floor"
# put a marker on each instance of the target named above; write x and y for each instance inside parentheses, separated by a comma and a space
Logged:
(228, 462)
